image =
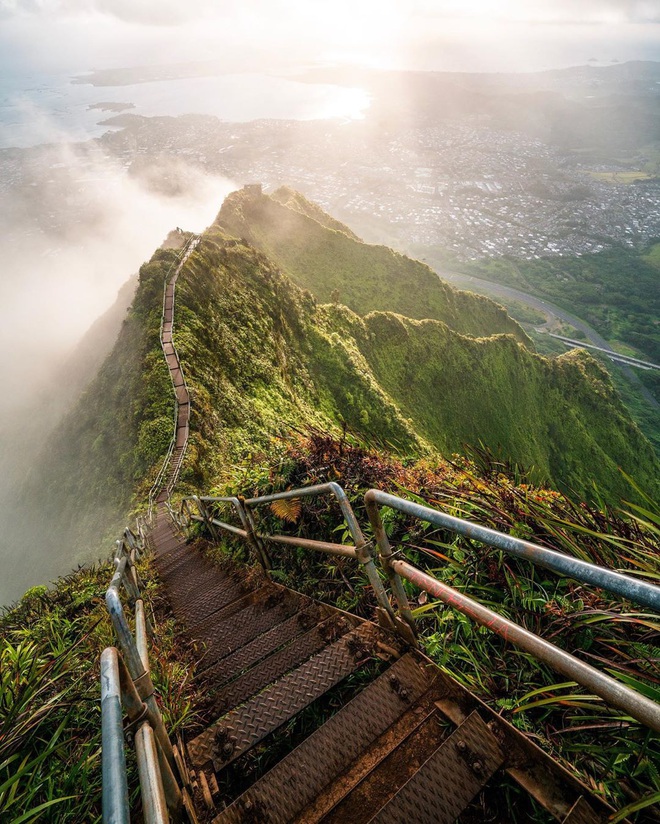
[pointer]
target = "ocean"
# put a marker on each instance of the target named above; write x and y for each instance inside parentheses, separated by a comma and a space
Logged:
(48, 108)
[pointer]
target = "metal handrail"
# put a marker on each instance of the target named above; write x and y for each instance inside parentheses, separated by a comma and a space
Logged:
(156, 487)
(611, 691)
(396, 568)
(362, 551)
(126, 681)
(633, 589)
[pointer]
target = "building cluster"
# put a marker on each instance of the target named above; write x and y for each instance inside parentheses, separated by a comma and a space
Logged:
(461, 186)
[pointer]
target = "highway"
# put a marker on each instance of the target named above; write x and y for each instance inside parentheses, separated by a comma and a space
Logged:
(627, 359)
(550, 310)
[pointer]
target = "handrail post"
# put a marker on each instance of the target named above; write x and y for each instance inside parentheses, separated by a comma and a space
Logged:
(249, 525)
(386, 554)
(115, 784)
(362, 549)
(141, 633)
(154, 806)
(208, 520)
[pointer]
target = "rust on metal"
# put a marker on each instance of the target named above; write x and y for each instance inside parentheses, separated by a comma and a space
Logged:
(382, 772)
(278, 664)
(248, 724)
(234, 628)
(582, 813)
(281, 795)
(447, 781)
(263, 645)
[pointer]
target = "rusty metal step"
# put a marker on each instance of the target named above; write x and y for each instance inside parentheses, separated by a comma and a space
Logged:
(447, 782)
(192, 580)
(167, 564)
(298, 779)
(201, 599)
(245, 726)
(168, 548)
(350, 796)
(247, 656)
(383, 770)
(257, 613)
(276, 665)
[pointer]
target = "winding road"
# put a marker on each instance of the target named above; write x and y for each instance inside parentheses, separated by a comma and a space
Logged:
(551, 310)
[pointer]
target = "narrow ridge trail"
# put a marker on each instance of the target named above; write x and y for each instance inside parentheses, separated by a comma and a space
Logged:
(169, 473)
(381, 734)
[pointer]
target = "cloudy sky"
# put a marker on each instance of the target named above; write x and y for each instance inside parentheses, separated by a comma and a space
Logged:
(66, 35)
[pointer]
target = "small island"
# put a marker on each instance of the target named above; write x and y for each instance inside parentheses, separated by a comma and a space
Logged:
(109, 106)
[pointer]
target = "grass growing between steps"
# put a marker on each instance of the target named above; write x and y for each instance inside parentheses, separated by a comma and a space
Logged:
(50, 707)
(614, 755)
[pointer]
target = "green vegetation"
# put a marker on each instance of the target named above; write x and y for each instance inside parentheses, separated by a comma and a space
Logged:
(262, 357)
(50, 718)
(265, 360)
(614, 755)
(335, 266)
(616, 291)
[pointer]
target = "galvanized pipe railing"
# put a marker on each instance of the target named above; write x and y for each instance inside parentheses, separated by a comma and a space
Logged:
(611, 691)
(631, 588)
(126, 680)
(397, 568)
(248, 531)
(361, 551)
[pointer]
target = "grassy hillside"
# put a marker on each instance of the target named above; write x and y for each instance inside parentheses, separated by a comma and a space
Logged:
(266, 361)
(263, 357)
(336, 266)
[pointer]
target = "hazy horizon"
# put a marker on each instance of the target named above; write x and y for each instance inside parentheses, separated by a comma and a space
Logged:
(78, 223)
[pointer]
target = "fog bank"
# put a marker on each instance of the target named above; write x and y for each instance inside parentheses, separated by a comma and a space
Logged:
(74, 227)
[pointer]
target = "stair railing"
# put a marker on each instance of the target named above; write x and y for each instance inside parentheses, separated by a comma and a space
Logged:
(157, 485)
(361, 550)
(396, 568)
(126, 682)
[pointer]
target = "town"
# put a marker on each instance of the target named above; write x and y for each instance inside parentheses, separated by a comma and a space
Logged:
(462, 186)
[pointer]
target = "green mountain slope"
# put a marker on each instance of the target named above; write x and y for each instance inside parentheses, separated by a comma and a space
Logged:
(319, 255)
(263, 358)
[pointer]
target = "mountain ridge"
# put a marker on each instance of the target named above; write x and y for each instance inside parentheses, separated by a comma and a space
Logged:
(266, 359)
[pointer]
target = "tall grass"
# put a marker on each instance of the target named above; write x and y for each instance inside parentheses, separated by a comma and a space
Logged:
(613, 754)
(50, 714)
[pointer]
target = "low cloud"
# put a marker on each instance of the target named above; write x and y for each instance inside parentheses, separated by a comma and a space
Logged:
(75, 228)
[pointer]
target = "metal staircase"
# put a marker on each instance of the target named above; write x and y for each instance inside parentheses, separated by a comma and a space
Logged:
(381, 734)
